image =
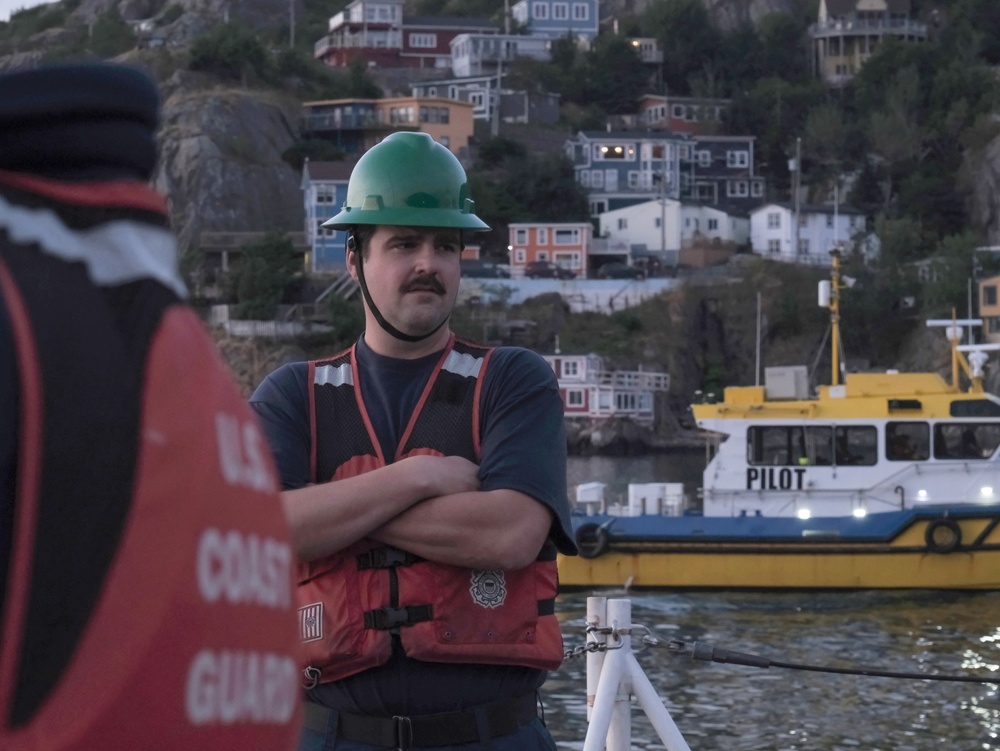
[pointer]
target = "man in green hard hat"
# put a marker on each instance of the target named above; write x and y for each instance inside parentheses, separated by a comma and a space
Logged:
(425, 486)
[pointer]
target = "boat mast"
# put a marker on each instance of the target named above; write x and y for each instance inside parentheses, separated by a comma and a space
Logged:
(835, 288)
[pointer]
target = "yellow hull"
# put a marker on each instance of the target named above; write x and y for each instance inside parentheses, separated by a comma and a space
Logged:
(903, 563)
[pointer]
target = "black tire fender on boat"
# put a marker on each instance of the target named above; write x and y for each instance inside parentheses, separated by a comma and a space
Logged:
(943, 535)
(591, 540)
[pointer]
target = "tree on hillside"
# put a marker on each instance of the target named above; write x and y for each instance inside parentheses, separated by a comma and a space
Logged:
(231, 51)
(264, 271)
(689, 38)
(614, 74)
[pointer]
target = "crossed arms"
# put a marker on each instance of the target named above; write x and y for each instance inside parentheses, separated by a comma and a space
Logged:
(430, 506)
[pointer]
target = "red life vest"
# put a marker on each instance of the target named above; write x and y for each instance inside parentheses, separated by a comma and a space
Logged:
(351, 602)
(149, 591)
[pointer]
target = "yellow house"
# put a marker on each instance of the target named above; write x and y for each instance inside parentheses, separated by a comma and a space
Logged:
(848, 32)
(355, 125)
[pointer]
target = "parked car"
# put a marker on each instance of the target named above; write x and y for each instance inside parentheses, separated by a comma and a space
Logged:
(482, 269)
(617, 270)
(547, 270)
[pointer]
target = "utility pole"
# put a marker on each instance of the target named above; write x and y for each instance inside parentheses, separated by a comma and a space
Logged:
(796, 186)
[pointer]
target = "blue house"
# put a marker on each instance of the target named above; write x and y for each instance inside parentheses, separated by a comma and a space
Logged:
(553, 19)
(623, 168)
(324, 189)
(721, 171)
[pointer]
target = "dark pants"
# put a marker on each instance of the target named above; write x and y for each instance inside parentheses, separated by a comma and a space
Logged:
(530, 737)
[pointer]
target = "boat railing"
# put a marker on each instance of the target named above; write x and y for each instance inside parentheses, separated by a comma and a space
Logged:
(614, 676)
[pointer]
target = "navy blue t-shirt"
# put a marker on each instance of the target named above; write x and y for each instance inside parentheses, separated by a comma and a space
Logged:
(523, 442)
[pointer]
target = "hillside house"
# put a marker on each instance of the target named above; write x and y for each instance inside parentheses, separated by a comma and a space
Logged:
(378, 31)
(324, 191)
(554, 19)
(989, 308)
(681, 114)
(773, 231)
(621, 168)
(848, 32)
(481, 91)
(482, 54)
(674, 229)
(566, 244)
(355, 125)
(721, 172)
(589, 390)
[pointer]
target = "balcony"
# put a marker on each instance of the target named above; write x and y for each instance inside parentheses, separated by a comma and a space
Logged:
(867, 26)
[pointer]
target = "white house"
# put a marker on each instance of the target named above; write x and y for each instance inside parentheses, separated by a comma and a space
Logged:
(480, 54)
(773, 231)
(589, 390)
(669, 225)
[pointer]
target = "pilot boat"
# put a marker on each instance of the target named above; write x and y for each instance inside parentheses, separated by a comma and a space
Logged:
(878, 480)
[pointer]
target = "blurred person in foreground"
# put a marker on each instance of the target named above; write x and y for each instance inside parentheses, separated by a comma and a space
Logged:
(425, 484)
(145, 570)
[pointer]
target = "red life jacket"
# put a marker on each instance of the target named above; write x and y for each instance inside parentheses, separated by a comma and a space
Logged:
(149, 589)
(351, 602)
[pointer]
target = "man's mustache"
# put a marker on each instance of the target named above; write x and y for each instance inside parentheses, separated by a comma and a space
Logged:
(424, 283)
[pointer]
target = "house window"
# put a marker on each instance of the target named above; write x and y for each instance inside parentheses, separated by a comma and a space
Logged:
(677, 111)
(623, 224)
(571, 368)
(704, 158)
(520, 256)
(597, 178)
(633, 179)
(560, 11)
(713, 224)
(585, 178)
(737, 188)
(656, 222)
(756, 189)
(521, 236)
(423, 41)
(598, 207)
(804, 247)
(540, 11)
(567, 237)
(706, 193)
(829, 220)
(737, 158)
(990, 294)
(581, 12)
(543, 236)
(774, 246)
(615, 151)
(434, 114)
(774, 220)
(574, 398)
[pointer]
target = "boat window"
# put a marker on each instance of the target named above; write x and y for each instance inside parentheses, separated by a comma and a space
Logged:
(975, 408)
(907, 441)
(956, 440)
(789, 445)
(855, 446)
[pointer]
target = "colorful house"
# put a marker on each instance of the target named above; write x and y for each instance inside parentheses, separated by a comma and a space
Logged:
(565, 244)
(324, 191)
(355, 125)
(590, 390)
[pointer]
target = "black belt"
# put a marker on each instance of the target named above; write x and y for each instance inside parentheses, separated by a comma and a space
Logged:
(450, 728)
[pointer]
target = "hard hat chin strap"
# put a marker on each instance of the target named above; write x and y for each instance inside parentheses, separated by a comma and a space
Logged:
(386, 326)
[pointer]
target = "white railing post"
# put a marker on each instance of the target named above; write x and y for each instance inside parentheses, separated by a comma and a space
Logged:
(612, 678)
(597, 617)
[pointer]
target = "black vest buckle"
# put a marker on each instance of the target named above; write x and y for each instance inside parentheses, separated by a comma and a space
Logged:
(385, 558)
(388, 618)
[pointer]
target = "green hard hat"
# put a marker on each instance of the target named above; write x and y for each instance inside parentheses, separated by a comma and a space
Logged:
(408, 180)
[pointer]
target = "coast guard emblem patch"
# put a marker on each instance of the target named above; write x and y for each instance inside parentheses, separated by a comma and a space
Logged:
(311, 622)
(488, 588)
